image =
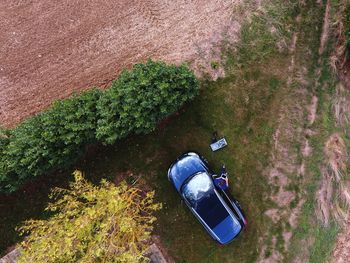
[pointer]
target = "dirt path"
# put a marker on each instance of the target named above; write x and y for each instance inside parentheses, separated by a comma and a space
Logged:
(49, 50)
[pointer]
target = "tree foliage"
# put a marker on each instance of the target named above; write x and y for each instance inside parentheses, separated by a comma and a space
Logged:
(105, 223)
(52, 139)
(139, 98)
(55, 138)
(4, 141)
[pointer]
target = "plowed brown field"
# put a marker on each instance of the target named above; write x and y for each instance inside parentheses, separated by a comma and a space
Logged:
(48, 49)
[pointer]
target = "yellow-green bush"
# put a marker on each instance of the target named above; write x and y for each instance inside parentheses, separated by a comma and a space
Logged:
(104, 223)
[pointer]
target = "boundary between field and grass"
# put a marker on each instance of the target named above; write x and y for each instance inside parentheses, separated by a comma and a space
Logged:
(55, 138)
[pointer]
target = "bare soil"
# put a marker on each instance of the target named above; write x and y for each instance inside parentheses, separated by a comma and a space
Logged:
(325, 29)
(49, 50)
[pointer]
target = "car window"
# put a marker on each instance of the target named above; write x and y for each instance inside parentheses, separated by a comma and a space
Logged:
(229, 202)
(199, 192)
(188, 165)
(212, 211)
(199, 187)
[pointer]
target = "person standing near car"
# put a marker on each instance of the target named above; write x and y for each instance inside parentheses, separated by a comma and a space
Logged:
(221, 181)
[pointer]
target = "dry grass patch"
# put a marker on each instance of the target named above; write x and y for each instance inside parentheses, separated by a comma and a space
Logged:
(341, 105)
(333, 196)
(324, 198)
(336, 154)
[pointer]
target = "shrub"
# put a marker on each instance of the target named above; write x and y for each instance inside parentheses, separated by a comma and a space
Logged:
(56, 138)
(52, 139)
(105, 223)
(140, 98)
(4, 141)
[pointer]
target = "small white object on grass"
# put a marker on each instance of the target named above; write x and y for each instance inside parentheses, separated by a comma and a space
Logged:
(218, 144)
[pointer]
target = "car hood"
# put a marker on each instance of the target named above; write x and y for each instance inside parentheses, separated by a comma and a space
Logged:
(184, 168)
(227, 230)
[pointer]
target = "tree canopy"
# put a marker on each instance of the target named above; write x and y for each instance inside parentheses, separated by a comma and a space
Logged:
(105, 223)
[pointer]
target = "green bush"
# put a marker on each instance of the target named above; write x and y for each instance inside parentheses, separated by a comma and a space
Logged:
(138, 99)
(56, 138)
(52, 139)
(4, 141)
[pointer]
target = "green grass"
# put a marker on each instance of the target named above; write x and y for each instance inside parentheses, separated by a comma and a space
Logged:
(311, 239)
(321, 238)
(347, 30)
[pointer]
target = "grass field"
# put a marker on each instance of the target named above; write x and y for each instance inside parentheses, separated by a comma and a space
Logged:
(244, 107)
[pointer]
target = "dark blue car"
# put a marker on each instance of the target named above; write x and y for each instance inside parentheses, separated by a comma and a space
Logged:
(216, 210)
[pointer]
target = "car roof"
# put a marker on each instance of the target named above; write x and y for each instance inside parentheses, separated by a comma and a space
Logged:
(211, 208)
(200, 193)
(216, 216)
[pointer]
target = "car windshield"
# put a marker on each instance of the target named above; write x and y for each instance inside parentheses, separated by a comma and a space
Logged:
(199, 191)
(199, 187)
(188, 165)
